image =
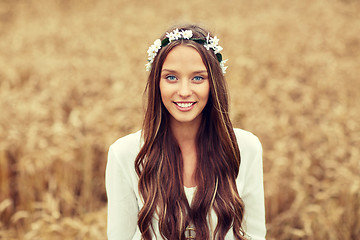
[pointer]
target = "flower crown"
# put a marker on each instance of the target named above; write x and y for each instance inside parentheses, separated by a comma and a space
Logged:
(209, 43)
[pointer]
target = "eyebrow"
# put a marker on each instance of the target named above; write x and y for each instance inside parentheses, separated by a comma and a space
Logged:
(173, 71)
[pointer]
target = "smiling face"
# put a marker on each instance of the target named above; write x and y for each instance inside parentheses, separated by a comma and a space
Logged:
(184, 85)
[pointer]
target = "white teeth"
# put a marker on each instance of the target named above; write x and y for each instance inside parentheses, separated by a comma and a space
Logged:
(184, 105)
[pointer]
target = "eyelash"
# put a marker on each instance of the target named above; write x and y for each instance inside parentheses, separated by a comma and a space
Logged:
(173, 78)
(199, 78)
(170, 76)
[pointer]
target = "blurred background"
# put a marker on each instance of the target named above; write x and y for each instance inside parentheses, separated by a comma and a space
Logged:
(71, 80)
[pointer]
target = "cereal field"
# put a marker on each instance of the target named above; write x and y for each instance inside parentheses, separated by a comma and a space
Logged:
(71, 80)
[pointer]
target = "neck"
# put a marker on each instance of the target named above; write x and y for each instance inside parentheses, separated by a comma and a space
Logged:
(185, 132)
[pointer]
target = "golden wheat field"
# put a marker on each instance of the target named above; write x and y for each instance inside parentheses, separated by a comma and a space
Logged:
(71, 82)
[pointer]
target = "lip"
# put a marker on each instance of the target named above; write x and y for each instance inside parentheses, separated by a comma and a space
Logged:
(185, 109)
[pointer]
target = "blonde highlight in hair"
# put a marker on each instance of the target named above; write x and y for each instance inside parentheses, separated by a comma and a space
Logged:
(160, 159)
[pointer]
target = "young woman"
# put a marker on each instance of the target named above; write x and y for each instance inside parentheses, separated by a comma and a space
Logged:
(187, 174)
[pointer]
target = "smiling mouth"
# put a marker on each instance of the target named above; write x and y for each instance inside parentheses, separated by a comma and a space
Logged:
(184, 104)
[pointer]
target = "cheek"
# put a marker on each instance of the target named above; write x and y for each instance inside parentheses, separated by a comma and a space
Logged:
(161, 88)
(206, 92)
(165, 91)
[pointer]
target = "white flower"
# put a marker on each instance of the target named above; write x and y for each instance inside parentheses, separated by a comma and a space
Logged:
(151, 52)
(157, 43)
(153, 49)
(174, 35)
(170, 36)
(214, 41)
(222, 65)
(187, 34)
(150, 59)
(217, 49)
(148, 66)
(177, 34)
(207, 46)
(207, 38)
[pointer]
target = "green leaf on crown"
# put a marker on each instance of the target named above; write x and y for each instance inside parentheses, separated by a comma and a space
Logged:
(219, 57)
(165, 42)
(198, 40)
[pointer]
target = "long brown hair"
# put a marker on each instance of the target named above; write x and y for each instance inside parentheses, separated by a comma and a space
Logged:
(159, 163)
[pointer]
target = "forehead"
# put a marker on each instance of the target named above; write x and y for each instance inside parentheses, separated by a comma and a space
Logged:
(184, 57)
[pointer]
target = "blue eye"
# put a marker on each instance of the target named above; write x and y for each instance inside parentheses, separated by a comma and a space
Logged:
(198, 78)
(171, 78)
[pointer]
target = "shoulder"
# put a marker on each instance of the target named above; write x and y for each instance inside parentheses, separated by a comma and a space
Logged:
(247, 141)
(250, 171)
(128, 141)
(126, 147)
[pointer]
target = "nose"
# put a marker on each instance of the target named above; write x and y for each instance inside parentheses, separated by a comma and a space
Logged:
(184, 89)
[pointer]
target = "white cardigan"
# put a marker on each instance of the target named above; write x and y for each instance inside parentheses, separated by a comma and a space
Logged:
(124, 201)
